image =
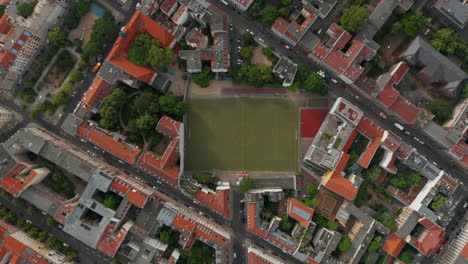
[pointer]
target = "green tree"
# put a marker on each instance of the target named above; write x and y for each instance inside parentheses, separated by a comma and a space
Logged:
(266, 214)
(465, 91)
(246, 184)
(354, 18)
(267, 51)
(302, 73)
(18, 202)
(64, 61)
(442, 110)
(49, 243)
(376, 243)
(25, 9)
(71, 256)
(42, 236)
(146, 102)
(31, 210)
(247, 52)
(413, 23)
(204, 77)
(138, 52)
(57, 37)
(414, 178)
(2, 10)
(397, 27)
(111, 201)
(75, 76)
(286, 224)
(373, 173)
(332, 225)
(249, 39)
(345, 243)
(255, 75)
(146, 122)
(315, 84)
(205, 178)
(312, 191)
(438, 202)
(50, 221)
(269, 15)
(159, 57)
(60, 98)
(91, 50)
(448, 42)
(111, 107)
(33, 232)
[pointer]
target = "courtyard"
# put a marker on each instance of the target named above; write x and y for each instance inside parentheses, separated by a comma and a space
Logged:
(242, 134)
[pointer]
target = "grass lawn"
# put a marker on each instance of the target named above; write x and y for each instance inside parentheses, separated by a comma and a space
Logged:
(242, 134)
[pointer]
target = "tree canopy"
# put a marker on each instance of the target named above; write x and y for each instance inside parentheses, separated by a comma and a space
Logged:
(269, 15)
(247, 52)
(448, 42)
(354, 18)
(75, 76)
(111, 108)
(413, 23)
(2, 10)
(104, 30)
(438, 202)
(442, 110)
(57, 37)
(64, 61)
(255, 75)
(345, 243)
(145, 50)
(172, 105)
(25, 9)
(204, 77)
(404, 181)
(373, 173)
(246, 184)
(77, 10)
(314, 83)
(376, 243)
(111, 201)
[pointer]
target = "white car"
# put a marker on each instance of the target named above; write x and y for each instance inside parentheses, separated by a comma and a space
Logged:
(321, 73)
(334, 80)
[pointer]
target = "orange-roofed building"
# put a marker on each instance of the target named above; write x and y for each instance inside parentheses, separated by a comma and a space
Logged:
(218, 200)
(104, 139)
(138, 24)
(464, 252)
(300, 212)
(165, 167)
(429, 240)
(394, 245)
(17, 247)
(93, 97)
(336, 183)
(21, 177)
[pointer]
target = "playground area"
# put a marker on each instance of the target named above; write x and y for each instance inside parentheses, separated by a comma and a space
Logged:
(242, 134)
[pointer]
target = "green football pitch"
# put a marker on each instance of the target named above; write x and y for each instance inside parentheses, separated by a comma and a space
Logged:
(242, 134)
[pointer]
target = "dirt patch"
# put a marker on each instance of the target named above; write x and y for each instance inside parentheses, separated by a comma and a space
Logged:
(55, 78)
(84, 29)
(174, 74)
(259, 59)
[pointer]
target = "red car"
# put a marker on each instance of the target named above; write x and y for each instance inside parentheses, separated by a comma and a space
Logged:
(342, 85)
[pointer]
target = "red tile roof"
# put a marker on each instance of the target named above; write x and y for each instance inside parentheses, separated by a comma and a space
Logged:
(464, 253)
(167, 5)
(388, 95)
(406, 110)
(98, 90)
(280, 25)
(218, 201)
(128, 187)
(394, 245)
(138, 24)
(15, 182)
(169, 126)
(374, 133)
(152, 164)
(399, 71)
(4, 25)
(294, 206)
(110, 242)
(106, 141)
(341, 186)
(64, 212)
(343, 161)
(392, 142)
(430, 241)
